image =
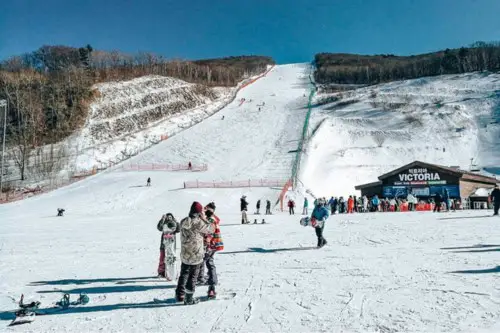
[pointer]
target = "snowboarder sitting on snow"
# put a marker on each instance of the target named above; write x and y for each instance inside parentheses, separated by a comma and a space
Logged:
(60, 211)
(193, 229)
(213, 243)
(243, 209)
(168, 227)
(318, 218)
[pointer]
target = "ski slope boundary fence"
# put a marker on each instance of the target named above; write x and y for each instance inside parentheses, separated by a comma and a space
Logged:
(236, 184)
(296, 163)
(164, 167)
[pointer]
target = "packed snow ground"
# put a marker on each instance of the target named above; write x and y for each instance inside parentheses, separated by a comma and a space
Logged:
(379, 272)
(444, 120)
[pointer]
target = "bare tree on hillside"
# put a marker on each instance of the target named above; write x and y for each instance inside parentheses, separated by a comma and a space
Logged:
(378, 138)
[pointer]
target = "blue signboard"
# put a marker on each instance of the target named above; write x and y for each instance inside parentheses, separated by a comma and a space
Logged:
(403, 191)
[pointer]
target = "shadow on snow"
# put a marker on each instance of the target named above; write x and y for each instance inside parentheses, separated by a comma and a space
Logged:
(107, 290)
(261, 250)
(10, 315)
(478, 271)
(88, 281)
(477, 246)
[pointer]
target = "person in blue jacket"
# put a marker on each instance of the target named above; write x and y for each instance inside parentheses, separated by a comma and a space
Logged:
(320, 214)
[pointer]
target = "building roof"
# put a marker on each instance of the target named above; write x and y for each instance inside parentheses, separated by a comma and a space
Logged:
(465, 175)
(359, 187)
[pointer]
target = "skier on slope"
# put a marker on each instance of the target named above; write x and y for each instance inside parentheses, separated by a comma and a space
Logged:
(168, 227)
(243, 209)
(495, 198)
(318, 218)
(268, 207)
(193, 229)
(213, 243)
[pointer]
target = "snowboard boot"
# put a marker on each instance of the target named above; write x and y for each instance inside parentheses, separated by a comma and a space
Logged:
(211, 292)
(190, 299)
(179, 297)
(323, 243)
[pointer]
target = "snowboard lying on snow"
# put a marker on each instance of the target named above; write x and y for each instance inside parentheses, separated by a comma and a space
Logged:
(173, 301)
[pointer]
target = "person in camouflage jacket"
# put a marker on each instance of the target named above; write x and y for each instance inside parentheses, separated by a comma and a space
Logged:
(193, 229)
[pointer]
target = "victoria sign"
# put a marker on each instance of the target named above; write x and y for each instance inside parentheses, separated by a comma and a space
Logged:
(419, 176)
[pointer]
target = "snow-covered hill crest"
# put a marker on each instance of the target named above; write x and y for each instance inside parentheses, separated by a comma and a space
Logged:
(360, 134)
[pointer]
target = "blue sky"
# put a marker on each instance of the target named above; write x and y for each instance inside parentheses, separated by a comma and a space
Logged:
(289, 31)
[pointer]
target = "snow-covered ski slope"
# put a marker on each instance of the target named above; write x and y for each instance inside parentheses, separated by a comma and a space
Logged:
(444, 120)
(379, 272)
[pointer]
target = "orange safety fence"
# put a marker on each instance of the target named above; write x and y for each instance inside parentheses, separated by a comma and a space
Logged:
(164, 167)
(283, 192)
(246, 84)
(235, 184)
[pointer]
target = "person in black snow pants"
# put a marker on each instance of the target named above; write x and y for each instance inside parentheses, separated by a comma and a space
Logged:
(268, 207)
(192, 229)
(495, 198)
(258, 207)
(291, 206)
(438, 200)
(244, 208)
(320, 215)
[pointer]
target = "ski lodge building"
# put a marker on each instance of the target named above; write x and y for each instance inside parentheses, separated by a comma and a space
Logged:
(424, 180)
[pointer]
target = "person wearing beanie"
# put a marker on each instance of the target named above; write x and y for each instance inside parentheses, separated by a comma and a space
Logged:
(193, 228)
(213, 243)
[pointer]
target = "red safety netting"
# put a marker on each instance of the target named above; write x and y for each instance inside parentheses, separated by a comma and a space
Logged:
(235, 184)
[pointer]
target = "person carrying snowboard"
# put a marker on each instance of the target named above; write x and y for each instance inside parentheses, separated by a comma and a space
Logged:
(258, 207)
(243, 209)
(495, 199)
(318, 218)
(213, 243)
(193, 228)
(168, 227)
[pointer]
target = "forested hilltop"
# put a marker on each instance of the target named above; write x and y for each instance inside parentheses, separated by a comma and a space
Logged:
(49, 90)
(372, 69)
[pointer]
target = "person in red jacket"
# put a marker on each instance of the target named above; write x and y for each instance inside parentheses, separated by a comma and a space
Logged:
(350, 205)
(213, 243)
(291, 206)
